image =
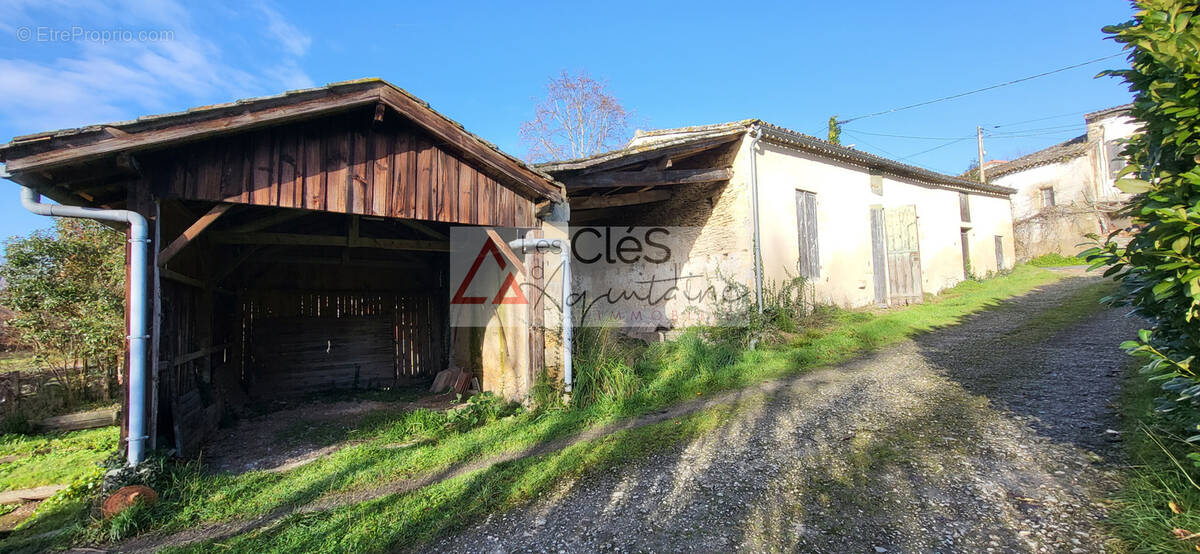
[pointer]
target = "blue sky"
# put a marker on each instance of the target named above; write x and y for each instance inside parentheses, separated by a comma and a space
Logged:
(483, 64)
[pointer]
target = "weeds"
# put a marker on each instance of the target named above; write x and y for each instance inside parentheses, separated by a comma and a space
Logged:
(1160, 495)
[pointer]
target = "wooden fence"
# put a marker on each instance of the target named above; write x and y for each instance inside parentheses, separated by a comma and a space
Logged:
(47, 392)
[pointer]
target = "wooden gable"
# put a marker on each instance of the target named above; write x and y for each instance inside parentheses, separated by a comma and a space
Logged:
(355, 163)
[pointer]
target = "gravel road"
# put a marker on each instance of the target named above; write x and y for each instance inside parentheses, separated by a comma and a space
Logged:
(988, 436)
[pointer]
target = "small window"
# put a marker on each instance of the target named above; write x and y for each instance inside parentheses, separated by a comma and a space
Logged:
(806, 234)
(964, 206)
(1116, 162)
(1048, 197)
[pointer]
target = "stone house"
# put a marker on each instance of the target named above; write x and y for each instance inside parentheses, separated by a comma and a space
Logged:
(860, 229)
(1066, 191)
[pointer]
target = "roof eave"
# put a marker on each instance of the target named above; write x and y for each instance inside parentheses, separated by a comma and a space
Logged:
(93, 142)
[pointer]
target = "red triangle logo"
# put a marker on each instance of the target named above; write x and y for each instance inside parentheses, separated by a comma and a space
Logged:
(502, 296)
(510, 284)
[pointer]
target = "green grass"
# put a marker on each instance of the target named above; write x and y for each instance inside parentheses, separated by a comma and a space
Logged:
(409, 519)
(649, 379)
(53, 459)
(1159, 474)
(1056, 260)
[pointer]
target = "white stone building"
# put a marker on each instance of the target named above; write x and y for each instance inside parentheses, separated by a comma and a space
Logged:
(860, 228)
(1066, 191)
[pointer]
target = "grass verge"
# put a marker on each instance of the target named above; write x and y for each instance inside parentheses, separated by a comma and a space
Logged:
(1160, 500)
(1057, 260)
(648, 379)
(54, 458)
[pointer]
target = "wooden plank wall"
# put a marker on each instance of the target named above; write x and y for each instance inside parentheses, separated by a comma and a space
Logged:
(305, 341)
(346, 165)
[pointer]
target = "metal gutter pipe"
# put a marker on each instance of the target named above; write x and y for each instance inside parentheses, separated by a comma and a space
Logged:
(139, 239)
(755, 135)
(568, 334)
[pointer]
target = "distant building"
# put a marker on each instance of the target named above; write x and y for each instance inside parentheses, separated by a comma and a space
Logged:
(860, 229)
(1066, 191)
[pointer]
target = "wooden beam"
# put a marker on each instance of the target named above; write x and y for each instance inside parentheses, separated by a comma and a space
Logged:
(649, 178)
(616, 200)
(192, 356)
(234, 264)
(258, 224)
(290, 239)
(671, 153)
(316, 260)
(188, 280)
(508, 253)
(423, 228)
(192, 232)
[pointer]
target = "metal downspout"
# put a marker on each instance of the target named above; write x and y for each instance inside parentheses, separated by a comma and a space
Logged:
(755, 135)
(139, 239)
(525, 245)
(560, 213)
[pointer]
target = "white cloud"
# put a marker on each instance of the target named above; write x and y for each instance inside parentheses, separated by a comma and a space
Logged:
(86, 82)
(289, 37)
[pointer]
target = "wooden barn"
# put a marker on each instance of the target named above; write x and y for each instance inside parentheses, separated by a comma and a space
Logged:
(299, 242)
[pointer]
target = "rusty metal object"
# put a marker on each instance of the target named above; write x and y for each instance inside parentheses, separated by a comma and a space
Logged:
(126, 497)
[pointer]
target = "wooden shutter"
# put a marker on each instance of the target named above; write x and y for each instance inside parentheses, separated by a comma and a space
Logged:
(999, 253)
(806, 235)
(879, 255)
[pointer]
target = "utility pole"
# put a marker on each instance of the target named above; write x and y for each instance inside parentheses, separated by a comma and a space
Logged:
(979, 138)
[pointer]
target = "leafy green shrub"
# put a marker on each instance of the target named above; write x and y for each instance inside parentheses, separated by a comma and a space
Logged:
(66, 289)
(1160, 267)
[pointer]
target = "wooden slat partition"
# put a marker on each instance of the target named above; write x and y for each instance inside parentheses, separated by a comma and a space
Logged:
(305, 341)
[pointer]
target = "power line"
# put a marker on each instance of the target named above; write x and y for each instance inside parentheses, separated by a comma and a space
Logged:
(939, 147)
(961, 94)
(1051, 128)
(1047, 134)
(852, 135)
(1035, 120)
(903, 136)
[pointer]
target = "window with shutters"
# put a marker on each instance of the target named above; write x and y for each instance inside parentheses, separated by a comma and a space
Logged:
(806, 234)
(964, 206)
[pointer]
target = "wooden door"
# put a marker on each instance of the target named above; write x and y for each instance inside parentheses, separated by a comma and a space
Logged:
(966, 253)
(879, 255)
(903, 255)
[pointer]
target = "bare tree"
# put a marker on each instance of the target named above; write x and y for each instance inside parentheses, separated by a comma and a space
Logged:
(577, 118)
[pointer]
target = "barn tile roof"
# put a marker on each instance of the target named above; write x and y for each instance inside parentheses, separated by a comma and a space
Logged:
(664, 138)
(1062, 151)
